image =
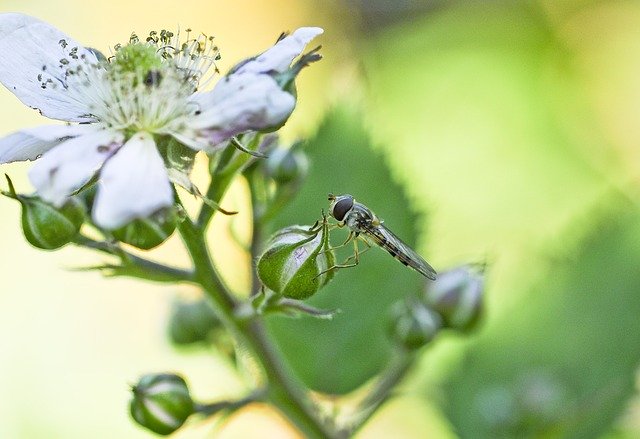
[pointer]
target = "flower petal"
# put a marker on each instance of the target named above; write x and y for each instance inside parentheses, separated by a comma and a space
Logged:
(279, 57)
(32, 53)
(192, 139)
(133, 184)
(31, 143)
(71, 164)
(243, 102)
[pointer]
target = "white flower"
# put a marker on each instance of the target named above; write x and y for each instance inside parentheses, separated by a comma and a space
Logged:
(117, 109)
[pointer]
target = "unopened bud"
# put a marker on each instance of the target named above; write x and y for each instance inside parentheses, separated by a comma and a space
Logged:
(297, 261)
(192, 322)
(287, 165)
(457, 295)
(45, 226)
(147, 233)
(161, 403)
(413, 324)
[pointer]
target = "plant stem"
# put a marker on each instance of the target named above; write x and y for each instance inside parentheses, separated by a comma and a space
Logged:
(258, 200)
(144, 268)
(383, 389)
(228, 406)
(283, 390)
(220, 181)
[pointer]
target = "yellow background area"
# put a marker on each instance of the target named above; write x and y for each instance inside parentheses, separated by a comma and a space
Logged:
(496, 187)
(71, 343)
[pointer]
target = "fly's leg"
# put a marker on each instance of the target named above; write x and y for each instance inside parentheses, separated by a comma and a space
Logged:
(357, 253)
(350, 237)
(353, 236)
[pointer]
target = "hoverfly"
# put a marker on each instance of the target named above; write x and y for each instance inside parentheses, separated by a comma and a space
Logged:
(362, 222)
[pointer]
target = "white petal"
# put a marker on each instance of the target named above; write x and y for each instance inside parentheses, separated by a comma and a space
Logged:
(244, 102)
(133, 184)
(191, 139)
(71, 164)
(279, 57)
(31, 143)
(30, 47)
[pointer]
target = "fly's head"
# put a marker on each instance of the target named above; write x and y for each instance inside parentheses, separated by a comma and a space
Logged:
(340, 206)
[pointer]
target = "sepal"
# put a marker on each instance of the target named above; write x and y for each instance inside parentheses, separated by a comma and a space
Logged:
(147, 233)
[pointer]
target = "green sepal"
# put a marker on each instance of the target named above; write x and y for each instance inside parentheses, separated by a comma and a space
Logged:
(286, 79)
(147, 233)
(176, 155)
(269, 302)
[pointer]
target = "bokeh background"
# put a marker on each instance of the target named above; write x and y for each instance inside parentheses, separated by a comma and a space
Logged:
(509, 127)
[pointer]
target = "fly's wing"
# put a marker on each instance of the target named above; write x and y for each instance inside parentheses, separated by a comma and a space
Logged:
(398, 249)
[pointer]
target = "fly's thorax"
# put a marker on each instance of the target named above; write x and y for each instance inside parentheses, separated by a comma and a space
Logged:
(360, 217)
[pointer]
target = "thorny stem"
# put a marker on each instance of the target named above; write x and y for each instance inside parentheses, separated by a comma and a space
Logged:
(230, 405)
(258, 195)
(220, 180)
(143, 267)
(383, 390)
(283, 390)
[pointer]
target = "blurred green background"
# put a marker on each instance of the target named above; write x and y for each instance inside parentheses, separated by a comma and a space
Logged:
(511, 135)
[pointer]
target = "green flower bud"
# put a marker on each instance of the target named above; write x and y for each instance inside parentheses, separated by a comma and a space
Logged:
(457, 296)
(161, 403)
(49, 228)
(296, 261)
(147, 233)
(287, 165)
(413, 324)
(192, 322)
(45, 226)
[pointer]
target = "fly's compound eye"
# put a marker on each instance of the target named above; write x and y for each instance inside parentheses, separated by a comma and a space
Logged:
(341, 208)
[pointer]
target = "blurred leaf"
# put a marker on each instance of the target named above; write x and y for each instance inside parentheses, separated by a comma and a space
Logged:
(337, 356)
(484, 111)
(564, 362)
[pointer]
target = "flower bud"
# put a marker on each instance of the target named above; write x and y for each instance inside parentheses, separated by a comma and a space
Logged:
(287, 165)
(457, 296)
(49, 228)
(296, 261)
(192, 322)
(147, 233)
(46, 226)
(161, 403)
(413, 324)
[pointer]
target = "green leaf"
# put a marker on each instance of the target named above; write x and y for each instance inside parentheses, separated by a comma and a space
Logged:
(338, 355)
(563, 362)
(489, 121)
